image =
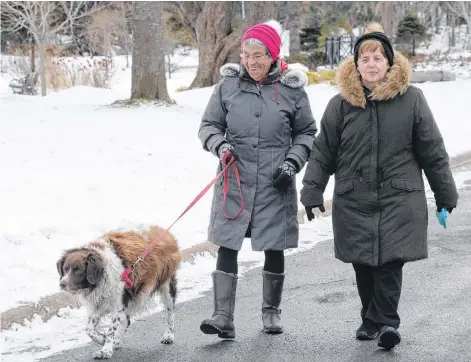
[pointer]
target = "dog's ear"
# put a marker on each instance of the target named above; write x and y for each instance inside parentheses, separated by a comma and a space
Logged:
(59, 265)
(95, 268)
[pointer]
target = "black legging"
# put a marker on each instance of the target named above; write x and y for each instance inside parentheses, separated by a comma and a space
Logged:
(227, 261)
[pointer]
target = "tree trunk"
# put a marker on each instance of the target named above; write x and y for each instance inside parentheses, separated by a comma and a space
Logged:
(453, 24)
(42, 66)
(217, 41)
(33, 56)
(386, 11)
(148, 61)
(294, 41)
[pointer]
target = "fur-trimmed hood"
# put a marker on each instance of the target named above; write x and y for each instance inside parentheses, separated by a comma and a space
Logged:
(351, 88)
(292, 78)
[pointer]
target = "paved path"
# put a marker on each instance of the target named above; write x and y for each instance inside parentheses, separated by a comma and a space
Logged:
(321, 311)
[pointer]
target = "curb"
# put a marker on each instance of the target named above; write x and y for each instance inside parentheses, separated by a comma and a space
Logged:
(48, 306)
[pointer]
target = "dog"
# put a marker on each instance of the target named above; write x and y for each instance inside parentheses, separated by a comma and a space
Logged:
(93, 274)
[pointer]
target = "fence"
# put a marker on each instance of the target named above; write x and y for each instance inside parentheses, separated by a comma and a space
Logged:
(337, 48)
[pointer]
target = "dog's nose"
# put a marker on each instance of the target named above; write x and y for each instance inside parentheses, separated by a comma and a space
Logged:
(63, 284)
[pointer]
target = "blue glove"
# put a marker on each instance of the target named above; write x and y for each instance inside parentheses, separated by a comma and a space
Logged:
(442, 216)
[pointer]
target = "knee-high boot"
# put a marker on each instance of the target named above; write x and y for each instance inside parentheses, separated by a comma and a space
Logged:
(272, 291)
(224, 293)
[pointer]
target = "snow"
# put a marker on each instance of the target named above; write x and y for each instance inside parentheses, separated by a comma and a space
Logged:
(36, 339)
(76, 167)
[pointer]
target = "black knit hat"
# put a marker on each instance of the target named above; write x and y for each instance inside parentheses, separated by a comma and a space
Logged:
(383, 39)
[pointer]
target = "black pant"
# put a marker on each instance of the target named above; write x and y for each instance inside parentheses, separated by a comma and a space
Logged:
(227, 261)
(380, 289)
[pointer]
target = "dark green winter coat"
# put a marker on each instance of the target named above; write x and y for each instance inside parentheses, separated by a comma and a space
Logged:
(265, 124)
(377, 145)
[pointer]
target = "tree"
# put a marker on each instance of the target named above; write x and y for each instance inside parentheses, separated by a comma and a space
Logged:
(217, 31)
(107, 30)
(290, 12)
(386, 11)
(411, 30)
(148, 62)
(40, 19)
(461, 9)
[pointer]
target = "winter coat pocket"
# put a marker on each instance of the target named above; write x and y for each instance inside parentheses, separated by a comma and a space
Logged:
(343, 187)
(406, 185)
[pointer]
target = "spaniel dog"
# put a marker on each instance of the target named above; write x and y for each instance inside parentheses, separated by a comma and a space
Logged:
(93, 273)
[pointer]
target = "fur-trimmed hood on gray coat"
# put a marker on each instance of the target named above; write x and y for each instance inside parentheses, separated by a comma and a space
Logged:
(266, 123)
(292, 78)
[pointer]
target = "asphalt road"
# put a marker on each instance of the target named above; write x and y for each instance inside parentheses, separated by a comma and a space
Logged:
(320, 311)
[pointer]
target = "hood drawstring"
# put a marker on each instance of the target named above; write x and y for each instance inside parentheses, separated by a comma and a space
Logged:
(276, 91)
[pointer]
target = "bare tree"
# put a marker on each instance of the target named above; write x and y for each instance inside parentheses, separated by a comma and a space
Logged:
(461, 9)
(148, 62)
(39, 18)
(217, 34)
(108, 30)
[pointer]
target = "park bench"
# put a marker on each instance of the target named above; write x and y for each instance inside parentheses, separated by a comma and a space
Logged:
(22, 86)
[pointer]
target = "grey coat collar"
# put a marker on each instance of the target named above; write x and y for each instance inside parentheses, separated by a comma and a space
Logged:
(292, 78)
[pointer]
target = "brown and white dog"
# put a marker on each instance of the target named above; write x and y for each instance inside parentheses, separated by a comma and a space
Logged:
(93, 273)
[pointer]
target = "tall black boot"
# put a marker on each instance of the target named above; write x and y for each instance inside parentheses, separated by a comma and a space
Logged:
(224, 292)
(272, 291)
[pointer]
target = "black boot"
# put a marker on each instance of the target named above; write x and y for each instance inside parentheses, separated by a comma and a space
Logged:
(389, 337)
(367, 331)
(224, 292)
(272, 290)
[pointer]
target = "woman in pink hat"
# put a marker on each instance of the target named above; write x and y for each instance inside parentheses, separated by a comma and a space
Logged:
(260, 115)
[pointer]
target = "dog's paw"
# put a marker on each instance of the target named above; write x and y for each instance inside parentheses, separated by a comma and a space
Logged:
(103, 354)
(167, 338)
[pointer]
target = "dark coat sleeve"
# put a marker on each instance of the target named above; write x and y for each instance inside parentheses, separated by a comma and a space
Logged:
(213, 125)
(432, 156)
(303, 131)
(322, 161)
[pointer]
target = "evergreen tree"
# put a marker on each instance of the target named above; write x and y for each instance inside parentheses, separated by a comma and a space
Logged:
(411, 28)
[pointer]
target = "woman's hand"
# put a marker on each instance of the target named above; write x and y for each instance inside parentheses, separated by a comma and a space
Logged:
(284, 175)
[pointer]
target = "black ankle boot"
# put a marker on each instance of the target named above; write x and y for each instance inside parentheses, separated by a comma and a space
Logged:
(224, 291)
(367, 331)
(272, 290)
(389, 337)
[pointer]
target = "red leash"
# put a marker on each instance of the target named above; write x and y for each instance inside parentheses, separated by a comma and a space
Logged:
(225, 172)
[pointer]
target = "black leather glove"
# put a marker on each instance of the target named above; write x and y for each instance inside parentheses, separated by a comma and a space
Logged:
(222, 150)
(310, 214)
(284, 175)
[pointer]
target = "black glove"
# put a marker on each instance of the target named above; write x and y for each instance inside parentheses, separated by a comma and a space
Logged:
(310, 214)
(222, 150)
(284, 175)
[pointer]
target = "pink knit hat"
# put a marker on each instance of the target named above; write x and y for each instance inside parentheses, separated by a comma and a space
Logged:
(267, 35)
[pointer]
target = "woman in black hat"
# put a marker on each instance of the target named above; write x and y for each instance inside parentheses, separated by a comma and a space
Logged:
(377, 136)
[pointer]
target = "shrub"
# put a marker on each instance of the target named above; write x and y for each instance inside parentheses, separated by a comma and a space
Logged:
(315, 77)
(62, 73)
(310, 60)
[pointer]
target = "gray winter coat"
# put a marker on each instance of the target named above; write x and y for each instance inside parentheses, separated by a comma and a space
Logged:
(377, 147)
(265, 124)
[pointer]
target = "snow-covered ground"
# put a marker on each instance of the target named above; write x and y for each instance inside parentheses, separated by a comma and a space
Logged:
(75, 168)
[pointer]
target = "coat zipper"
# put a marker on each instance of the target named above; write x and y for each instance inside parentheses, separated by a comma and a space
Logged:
(381, 176)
